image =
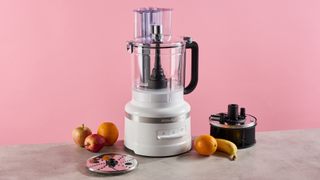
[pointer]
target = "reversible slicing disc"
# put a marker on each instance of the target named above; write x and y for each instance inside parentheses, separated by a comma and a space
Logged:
(112, 163)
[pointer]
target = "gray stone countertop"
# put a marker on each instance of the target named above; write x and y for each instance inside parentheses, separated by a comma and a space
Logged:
(293, 154)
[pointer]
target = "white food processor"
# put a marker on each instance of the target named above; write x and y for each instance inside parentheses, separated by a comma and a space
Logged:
(157, 119)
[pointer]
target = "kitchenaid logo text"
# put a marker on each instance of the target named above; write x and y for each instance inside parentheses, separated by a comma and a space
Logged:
(173, 119)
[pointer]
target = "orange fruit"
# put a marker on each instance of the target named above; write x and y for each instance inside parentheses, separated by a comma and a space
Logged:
(109, 131)
(105, 158)
(108, 157)
(205, 145)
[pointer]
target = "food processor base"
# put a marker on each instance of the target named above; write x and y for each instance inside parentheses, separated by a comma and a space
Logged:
(143, 138)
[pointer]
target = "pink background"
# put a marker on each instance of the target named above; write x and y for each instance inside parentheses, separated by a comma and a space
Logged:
(64, 63)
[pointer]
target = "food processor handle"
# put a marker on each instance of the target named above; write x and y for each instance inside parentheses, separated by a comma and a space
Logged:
(194, 67)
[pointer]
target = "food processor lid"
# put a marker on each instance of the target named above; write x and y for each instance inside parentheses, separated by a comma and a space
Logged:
(251, 121)
(167, 42)
(232, 119)
(174, 42)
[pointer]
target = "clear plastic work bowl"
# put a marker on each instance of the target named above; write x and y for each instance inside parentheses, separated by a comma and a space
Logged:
(172, 58)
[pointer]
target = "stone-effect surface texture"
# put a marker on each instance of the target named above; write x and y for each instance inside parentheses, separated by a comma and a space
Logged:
(281, 155)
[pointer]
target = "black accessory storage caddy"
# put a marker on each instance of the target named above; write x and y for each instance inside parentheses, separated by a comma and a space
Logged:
(235, 127)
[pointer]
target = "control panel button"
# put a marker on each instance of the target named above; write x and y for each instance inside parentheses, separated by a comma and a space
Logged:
(173, 131)
(164, 137)
(163, 132)
(182, 129)
(183, 134)
(177, 135)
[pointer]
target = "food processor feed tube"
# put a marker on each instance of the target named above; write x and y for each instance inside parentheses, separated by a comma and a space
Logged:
(157, 119)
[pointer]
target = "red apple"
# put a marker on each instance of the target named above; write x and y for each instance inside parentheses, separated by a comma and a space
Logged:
(94, 142)
(79, 134)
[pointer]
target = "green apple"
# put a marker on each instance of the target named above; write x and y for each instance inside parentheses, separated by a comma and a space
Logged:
(79, 134)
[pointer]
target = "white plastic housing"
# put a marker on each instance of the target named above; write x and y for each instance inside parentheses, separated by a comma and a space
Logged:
(158, 139)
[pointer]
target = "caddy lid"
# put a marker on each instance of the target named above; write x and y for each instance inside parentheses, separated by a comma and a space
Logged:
(232, 119)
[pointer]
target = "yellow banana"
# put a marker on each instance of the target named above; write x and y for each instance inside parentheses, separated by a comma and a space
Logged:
(228, 147)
